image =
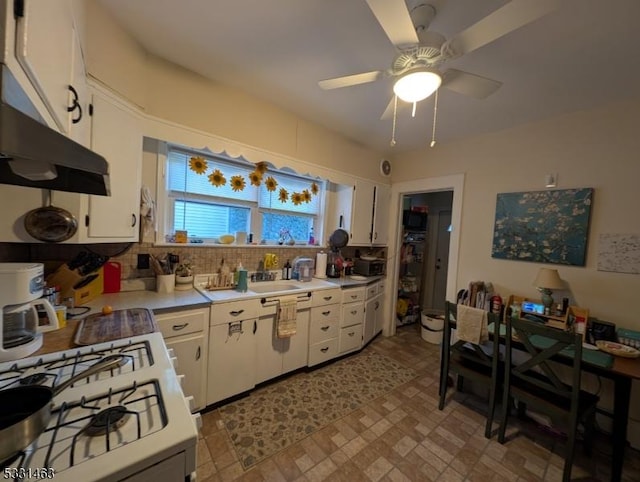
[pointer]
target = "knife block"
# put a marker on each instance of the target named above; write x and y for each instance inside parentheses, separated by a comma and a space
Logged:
(81, 289)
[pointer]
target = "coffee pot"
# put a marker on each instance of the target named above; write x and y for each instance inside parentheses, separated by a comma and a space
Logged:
(21, 327)
(334, 264)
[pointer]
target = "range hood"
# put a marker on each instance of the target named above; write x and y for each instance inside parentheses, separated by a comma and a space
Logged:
(34, 155)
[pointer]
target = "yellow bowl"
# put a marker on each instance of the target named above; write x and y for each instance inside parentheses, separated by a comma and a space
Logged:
(227, 238)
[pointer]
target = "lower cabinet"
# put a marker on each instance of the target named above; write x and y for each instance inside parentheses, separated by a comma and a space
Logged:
(186, 332)
(232, 349)
(352, 319)
(277, 356)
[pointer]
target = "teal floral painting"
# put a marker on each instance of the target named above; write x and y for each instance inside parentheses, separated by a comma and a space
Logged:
(543, 226)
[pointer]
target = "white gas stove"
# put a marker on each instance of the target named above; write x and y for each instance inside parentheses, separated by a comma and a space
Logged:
(130, 423)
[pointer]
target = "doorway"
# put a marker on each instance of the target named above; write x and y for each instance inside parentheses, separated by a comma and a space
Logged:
(424, 254)
(451, 214)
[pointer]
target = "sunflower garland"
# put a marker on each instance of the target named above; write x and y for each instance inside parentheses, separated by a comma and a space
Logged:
(271, 184)
(314, 188)
(283, 195)
(237, 183)
(198, 164)
(296, 198)
(256, 178)
(261, 167)
(217, 178)
(306, 196)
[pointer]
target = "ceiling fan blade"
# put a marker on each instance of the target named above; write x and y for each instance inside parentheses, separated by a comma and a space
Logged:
(388, 112)
(394, 19)
(469, 84)
(506, 19)
(350, 80)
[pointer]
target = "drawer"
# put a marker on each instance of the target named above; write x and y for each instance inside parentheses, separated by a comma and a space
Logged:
(353, 294)
(350, 338)
(327, 312)
(321, 352)
(322, 329)
(234, 311)
(352, 314)
(372, 290)
(182, 322)
(326, 297)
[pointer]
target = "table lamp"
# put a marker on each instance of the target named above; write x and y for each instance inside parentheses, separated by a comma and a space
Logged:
(546, 281)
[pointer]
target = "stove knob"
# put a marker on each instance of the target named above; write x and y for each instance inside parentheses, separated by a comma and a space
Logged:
(171, 353)
(190, 401)
(181, 380)
(197, 419)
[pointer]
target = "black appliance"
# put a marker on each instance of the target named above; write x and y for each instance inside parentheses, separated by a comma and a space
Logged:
(600, 330)
(366, 267)
(414, 220)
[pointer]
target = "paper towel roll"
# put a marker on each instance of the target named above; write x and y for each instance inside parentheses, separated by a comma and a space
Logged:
(321, 265)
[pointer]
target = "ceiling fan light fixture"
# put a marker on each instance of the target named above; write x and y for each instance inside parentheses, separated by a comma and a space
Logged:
(416, 85)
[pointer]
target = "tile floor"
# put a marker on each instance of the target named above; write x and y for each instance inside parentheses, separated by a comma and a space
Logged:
(402, 436)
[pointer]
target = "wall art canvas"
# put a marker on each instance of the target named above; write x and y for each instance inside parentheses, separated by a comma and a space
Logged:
(543, 226)
(619, 253)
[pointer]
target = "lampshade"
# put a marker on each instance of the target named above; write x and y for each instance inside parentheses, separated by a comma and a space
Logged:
(417, 84)
(549, 279)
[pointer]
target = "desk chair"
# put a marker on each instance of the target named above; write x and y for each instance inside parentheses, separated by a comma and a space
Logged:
(543, 389)
(468, 360)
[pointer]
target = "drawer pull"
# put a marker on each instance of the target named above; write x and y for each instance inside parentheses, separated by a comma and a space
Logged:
(325, 349)
(352, 333)
(198, 353)
(353, 297)
(327, 298)
(325, 328)
(180, 327)
(236, 313)
(354, 312)
(325, 313)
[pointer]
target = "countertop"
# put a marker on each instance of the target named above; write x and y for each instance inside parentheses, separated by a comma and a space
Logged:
(62, 339)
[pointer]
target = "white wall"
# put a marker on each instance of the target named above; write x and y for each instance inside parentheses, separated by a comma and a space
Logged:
(596, 149)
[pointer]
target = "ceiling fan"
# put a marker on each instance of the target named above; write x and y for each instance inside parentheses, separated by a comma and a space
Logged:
(422, 53)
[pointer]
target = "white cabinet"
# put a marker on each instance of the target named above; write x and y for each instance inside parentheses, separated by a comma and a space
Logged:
(277, 356)
(186, 332)
(232, 349)
(363, 210)
(382, 197)
(352, 319)
(324, 326)
(373, 311)
(117, 135)
(48, 50)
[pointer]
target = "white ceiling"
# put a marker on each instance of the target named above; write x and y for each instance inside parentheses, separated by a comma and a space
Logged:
(580, 56)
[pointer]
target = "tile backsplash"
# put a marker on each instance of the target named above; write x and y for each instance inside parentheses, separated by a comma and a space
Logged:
(202, 259)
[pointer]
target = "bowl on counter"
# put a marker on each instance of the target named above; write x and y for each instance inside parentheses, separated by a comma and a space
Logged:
(226, 239)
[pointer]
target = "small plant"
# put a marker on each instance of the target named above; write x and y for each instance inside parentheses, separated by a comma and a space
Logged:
(184, 270)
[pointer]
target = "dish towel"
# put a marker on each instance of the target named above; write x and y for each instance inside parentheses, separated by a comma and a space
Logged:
(471, 325)
(286, 316)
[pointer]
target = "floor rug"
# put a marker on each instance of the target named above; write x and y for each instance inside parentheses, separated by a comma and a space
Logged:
(273, 417)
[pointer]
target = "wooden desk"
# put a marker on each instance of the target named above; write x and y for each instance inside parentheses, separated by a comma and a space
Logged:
(622, 373)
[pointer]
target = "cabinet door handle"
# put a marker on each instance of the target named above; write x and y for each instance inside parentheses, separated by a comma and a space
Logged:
(325, 328)
(236, 313)
(326, 313)
(377, 305)
(325, 349)
(134, 219)
(255, 326)
(354, 312)
(180, 327)
(75, 105)
(327, 298)
(198, 353)
(352, 333)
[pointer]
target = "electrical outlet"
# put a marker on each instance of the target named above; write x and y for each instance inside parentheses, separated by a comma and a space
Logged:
(143, 261)
(174, 258)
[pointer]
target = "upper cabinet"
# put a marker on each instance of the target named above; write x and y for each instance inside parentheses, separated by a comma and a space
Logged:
(363, 210)
(48, 50)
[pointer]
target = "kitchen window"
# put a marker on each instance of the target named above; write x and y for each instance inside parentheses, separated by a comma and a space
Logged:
(208, 195)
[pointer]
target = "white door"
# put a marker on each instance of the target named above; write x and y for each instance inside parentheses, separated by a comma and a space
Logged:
(269, 350)
(370, 310)
(296, 348)
(439, 288)
(381, 216)
(362, 213)
(116, 134)
(189, 350)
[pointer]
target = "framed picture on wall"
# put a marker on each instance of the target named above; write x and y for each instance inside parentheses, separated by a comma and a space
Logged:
(543, 226)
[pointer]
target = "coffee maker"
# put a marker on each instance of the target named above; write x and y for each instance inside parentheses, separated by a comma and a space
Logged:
(21, 288)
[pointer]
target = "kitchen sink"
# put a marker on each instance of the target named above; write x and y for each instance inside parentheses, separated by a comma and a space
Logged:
(272, 288)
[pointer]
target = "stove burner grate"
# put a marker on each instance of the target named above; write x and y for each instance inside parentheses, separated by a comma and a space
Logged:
(107, 420)
(34, 379)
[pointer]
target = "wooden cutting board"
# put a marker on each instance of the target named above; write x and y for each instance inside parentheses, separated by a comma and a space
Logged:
(99, 328)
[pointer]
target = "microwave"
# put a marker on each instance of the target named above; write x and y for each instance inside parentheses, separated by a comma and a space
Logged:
(414, 220)
(369, 267)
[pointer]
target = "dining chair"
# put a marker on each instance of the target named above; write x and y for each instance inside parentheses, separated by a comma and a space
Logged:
(536, 382)
(469, 360)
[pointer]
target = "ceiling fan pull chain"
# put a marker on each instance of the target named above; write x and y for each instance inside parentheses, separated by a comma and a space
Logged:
(435, 113)
(393, 129)
(413, 111)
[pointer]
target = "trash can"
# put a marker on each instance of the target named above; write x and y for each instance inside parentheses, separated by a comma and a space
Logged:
(432, 325)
